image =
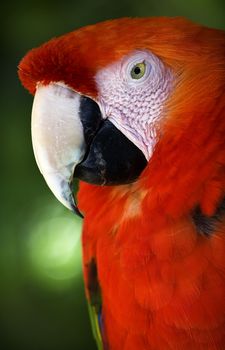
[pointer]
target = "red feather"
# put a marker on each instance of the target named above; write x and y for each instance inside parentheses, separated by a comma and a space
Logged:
(162, 281)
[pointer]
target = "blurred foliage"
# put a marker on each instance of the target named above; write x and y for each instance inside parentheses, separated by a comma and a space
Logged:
(42, 304)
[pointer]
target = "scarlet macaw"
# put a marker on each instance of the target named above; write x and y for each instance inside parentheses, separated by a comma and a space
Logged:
(135, 108)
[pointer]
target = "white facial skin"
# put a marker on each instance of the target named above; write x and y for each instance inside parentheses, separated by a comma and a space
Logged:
(135, 106)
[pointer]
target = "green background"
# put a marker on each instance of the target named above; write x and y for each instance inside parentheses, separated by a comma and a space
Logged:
(42, 304)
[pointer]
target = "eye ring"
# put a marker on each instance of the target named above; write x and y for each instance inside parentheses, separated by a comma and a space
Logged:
(138, 70)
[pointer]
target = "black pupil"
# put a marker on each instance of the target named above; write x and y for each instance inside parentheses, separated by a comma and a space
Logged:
(137, 70)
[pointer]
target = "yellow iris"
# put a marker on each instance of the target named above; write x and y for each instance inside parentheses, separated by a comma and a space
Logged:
(138, 70)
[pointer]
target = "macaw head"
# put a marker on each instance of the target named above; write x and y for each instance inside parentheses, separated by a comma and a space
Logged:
(112, 100)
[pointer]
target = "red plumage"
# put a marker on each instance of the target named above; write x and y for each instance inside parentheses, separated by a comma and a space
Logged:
(162, 279)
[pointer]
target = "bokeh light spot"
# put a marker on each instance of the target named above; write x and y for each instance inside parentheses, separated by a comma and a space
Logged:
(54, 249)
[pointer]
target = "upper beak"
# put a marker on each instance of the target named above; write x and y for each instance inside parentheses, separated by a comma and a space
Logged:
(70, 138)
(58, 138)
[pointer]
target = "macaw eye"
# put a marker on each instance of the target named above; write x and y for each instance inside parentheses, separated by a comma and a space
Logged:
(138, 71)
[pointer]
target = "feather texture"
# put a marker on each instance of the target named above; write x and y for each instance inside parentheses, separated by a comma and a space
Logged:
(162, 281)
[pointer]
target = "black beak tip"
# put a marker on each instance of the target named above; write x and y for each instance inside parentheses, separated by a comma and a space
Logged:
(77, 211)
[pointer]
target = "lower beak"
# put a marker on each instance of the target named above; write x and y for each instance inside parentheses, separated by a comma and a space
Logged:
(70, 138)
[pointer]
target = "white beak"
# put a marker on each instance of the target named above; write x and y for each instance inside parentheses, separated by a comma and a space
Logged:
(57, 137)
